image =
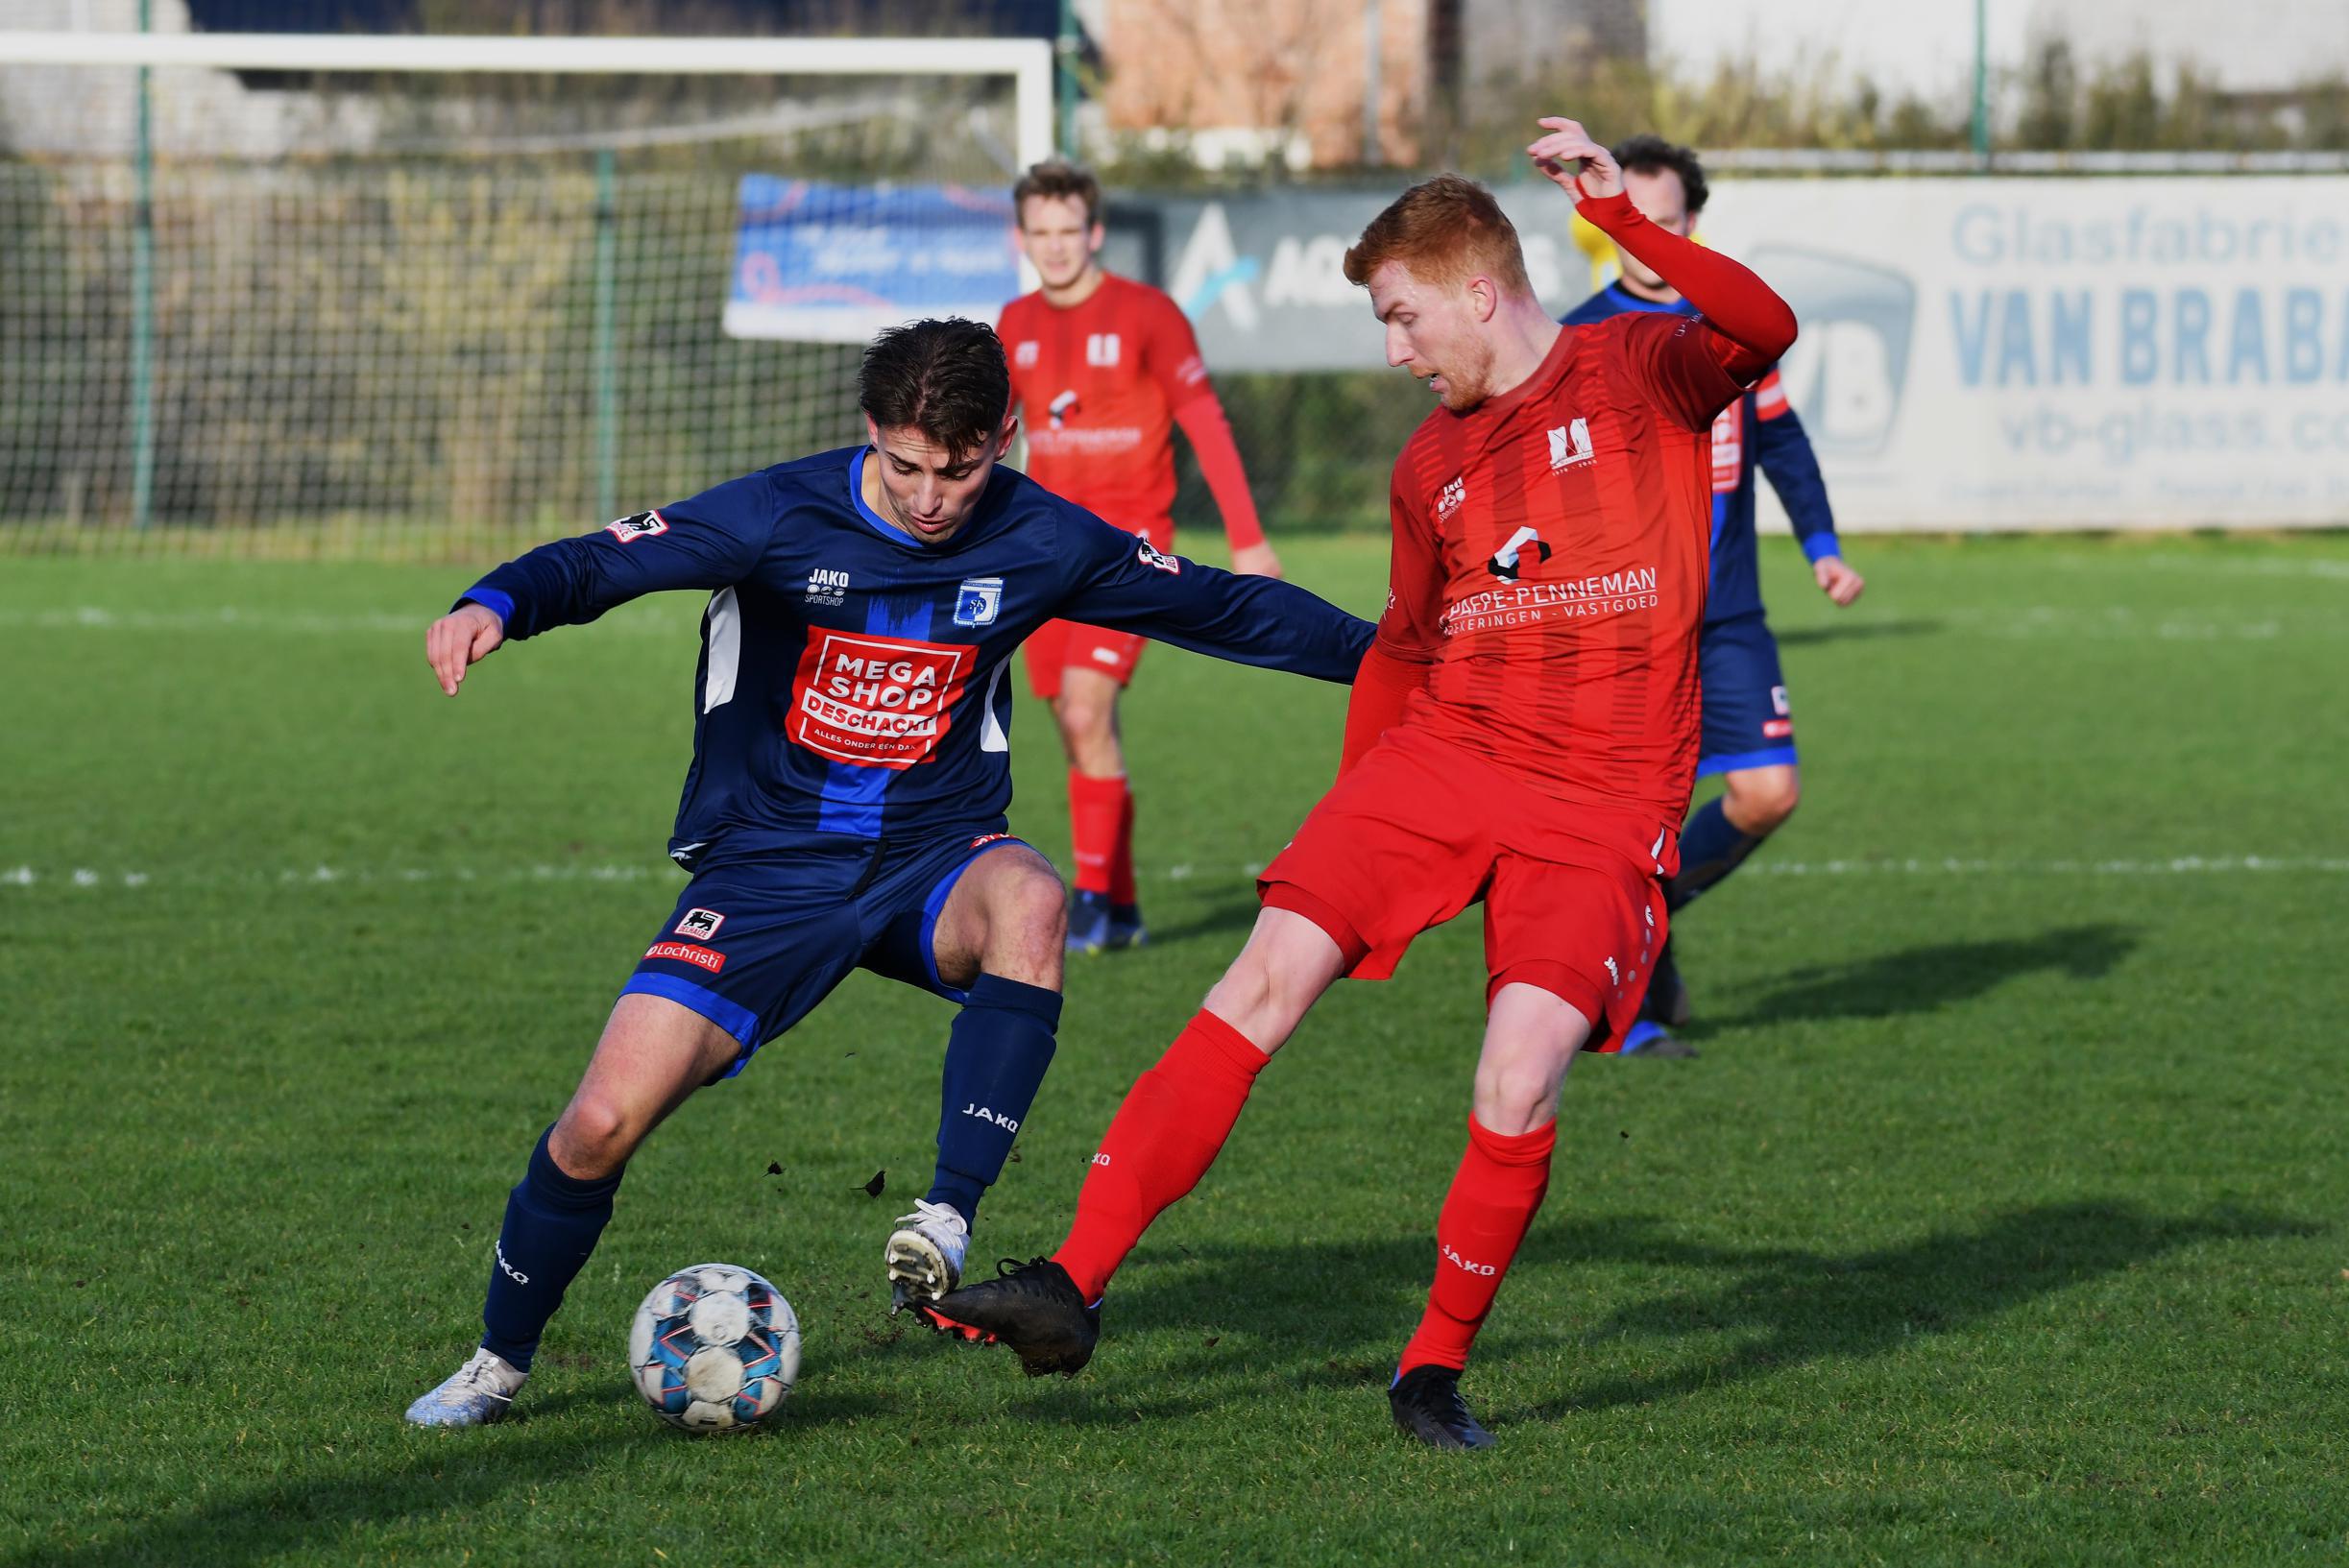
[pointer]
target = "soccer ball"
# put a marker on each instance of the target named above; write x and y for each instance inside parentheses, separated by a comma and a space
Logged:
(713, 1347)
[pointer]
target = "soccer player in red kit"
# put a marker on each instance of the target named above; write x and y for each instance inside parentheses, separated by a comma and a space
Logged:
(1523, 731)
(1104, 367)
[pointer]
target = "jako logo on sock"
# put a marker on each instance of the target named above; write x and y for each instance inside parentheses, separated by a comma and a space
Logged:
(1100, 1159)
(511, 1273)
(1484, 1269)
(1007, 1122)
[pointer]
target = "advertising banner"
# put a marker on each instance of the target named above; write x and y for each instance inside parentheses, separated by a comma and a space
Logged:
(820, 263)
(1975, 353)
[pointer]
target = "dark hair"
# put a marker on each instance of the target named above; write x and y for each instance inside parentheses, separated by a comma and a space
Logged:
(944, 376)
(1060, 179)
(1653, 155)
(1445, 231)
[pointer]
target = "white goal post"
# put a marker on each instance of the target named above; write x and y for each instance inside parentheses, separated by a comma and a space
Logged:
(448, 294)
(1028, 62)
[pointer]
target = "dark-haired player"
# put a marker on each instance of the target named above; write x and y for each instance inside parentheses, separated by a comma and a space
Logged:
(1748, 726)
(1523, 731)
(1104, 367)
(845, 804)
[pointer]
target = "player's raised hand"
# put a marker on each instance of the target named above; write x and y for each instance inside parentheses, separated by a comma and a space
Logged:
(464, 635)
(1837, 581)
(1569, 157)
(1255, 561)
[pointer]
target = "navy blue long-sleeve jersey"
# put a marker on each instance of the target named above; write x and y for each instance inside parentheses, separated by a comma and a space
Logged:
(852, 678)
(1760, 429)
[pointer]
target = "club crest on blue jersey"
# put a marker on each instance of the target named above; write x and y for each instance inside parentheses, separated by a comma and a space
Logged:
(978, 601)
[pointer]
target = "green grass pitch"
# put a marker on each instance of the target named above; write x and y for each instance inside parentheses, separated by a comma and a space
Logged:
(2003, 1218)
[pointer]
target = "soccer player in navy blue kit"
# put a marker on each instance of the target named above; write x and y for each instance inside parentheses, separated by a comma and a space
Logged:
(1749, 726)
(845, 805)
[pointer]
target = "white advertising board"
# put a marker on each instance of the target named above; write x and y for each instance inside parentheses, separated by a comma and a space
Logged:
(2054, 353)
(1976, 353)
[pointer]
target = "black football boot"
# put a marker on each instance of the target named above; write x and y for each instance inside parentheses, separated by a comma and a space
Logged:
(1032, 1307)
(1426, 1403)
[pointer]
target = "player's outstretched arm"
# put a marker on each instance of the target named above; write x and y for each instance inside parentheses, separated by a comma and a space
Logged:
(1122, 582)
(462, 638)
(1735, 304)
(710, 541)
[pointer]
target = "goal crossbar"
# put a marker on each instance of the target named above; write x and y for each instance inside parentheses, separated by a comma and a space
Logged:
(1028, 62)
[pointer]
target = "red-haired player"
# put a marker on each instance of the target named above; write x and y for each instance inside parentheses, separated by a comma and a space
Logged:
(1104, 367)
(1524, 731)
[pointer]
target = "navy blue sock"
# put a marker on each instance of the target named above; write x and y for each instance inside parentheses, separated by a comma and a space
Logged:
(996, 1057)
(552, 1221)
(1711, 846)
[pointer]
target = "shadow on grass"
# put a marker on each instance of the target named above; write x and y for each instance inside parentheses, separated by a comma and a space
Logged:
(1802, 1307)
(1922, 979)
(1335, 1314)
(434, 1474)
(1854, 631)
(1234, 916)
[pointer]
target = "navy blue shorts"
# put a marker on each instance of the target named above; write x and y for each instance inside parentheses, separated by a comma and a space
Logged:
(1746, 722)
(754, 945)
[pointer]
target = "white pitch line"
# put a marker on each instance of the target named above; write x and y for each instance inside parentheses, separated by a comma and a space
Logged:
(90, 618)
(2105, 622)
(321, 875)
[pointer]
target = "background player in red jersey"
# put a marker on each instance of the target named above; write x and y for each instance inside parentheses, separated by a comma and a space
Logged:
(1523, 731)
(1104, 367)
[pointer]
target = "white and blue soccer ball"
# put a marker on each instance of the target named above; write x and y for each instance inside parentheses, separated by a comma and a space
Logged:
(713, 1348)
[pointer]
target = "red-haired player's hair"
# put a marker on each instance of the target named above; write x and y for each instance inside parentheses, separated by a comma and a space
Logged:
(1443, 230)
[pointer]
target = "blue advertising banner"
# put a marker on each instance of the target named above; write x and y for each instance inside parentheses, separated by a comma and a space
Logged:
(823, 263)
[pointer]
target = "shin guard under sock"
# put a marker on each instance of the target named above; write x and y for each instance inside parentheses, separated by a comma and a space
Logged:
(1164, 1137)
(996, 1057)
(1495, 1194)
(552, 1220)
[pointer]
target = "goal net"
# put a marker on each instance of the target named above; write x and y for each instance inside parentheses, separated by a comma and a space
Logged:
(445, 296)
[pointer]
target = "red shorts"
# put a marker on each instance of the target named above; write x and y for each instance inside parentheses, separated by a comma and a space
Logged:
(1057, 644)
(1420, 829)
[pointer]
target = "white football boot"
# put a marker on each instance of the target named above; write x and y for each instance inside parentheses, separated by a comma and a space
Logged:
(925, 1254)
(480, 1391)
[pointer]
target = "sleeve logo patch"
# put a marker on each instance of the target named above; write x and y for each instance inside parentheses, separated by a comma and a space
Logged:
(876, 701)
(1157, 560)
(686, 952)
(644, 525)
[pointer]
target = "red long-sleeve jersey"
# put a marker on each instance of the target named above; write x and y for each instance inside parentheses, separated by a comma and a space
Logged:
(1101, 386)
(1550, 553)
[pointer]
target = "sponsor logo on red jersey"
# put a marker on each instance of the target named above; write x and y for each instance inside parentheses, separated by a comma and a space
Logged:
(876, 701)
(686, 952)
(1531, 604)
(1570, 446)
(1449, 497)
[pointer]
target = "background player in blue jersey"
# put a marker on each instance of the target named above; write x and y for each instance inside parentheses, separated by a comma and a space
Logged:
(851, 769)
(1749, 726)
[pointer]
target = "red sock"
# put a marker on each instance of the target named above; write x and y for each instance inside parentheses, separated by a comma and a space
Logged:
(1161, 1141)
(1494, 1194)
(1122, 856)
(1095, 809)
